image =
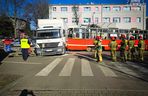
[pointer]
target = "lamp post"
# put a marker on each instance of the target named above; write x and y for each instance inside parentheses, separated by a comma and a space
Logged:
(93, 17)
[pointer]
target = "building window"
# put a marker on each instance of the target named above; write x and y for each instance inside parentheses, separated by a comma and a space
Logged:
(87, 20)
(106, 9)
(75, 20)
(116, 19)
(63, 9)
(65, 20)
(116, 8)
(75, 9)
(87, 9)
(126, 8)
(96, 20)
(138, 19)
(106, 19)
(138, 8)
(54, 9)
(97, 9)
(127, 19)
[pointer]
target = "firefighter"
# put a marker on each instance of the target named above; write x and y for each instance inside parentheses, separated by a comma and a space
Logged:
(99, 48)
(95, 51)
(131, 48)
(123, 46)
(141, 47)
(113, 46)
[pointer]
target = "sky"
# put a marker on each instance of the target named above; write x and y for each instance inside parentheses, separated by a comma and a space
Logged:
(94, 1)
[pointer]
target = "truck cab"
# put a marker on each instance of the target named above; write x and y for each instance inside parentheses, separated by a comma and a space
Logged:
(50, 38)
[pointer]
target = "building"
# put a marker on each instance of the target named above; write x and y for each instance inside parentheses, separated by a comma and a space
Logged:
(21, 24)
(122, 16)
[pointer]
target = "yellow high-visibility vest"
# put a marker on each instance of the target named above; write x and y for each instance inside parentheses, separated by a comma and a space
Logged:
(24, 43)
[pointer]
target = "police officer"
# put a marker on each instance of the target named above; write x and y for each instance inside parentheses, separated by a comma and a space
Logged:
(113, 46)
(131, 48)
(123, 46)
(25, 45)
(141, 47)
(99, 48)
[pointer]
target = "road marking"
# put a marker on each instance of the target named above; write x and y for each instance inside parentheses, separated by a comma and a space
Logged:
(107, 71)
(67, 69)
(49, 67)
(140, 68)
(86, 68)
(21, 62)
(125, 70)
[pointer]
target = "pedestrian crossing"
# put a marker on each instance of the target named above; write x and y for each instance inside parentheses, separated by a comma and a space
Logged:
(86, 68)
(45, 71)
(67, 69)
(107, 71)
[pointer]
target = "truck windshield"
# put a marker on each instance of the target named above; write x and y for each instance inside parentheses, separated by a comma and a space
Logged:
(50, 33)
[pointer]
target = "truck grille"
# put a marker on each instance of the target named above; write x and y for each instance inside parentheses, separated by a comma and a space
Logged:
(49, 45)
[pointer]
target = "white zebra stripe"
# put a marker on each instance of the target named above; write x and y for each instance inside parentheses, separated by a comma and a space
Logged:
(49, 67)
(67, 69)
(86, 68)
(107, 71)
(125, 70)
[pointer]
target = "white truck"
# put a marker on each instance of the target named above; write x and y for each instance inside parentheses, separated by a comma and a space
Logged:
(50, 37)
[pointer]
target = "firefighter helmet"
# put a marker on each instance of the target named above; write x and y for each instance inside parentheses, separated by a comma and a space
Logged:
(122, 36)
(140, 37)
(132, 37)
(112, 38)
(98, 37)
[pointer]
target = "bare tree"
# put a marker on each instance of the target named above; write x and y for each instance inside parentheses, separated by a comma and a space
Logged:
(17, 6)
(76, 14)
(12, 8)
(37, 9)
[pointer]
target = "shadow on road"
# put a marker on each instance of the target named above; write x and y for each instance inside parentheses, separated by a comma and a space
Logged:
(3, 55)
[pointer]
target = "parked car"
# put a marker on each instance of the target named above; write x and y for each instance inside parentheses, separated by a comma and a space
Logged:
(16, 43)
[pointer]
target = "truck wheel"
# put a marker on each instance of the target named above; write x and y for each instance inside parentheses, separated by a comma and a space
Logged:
(89, 49)
(63, 51)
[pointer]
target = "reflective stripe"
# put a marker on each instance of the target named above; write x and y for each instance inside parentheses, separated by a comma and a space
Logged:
(81, 45)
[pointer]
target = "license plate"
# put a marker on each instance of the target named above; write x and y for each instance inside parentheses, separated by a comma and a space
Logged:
(49, 50)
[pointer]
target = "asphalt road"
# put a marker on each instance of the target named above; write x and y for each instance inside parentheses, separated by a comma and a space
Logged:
(73, 74)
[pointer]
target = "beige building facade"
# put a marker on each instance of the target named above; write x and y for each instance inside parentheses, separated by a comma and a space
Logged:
(122, 16)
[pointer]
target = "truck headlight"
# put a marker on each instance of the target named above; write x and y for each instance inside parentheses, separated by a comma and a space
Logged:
(60, 44)
(59, 49)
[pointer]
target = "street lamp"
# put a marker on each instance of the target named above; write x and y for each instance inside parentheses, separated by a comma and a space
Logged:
(93, 16)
